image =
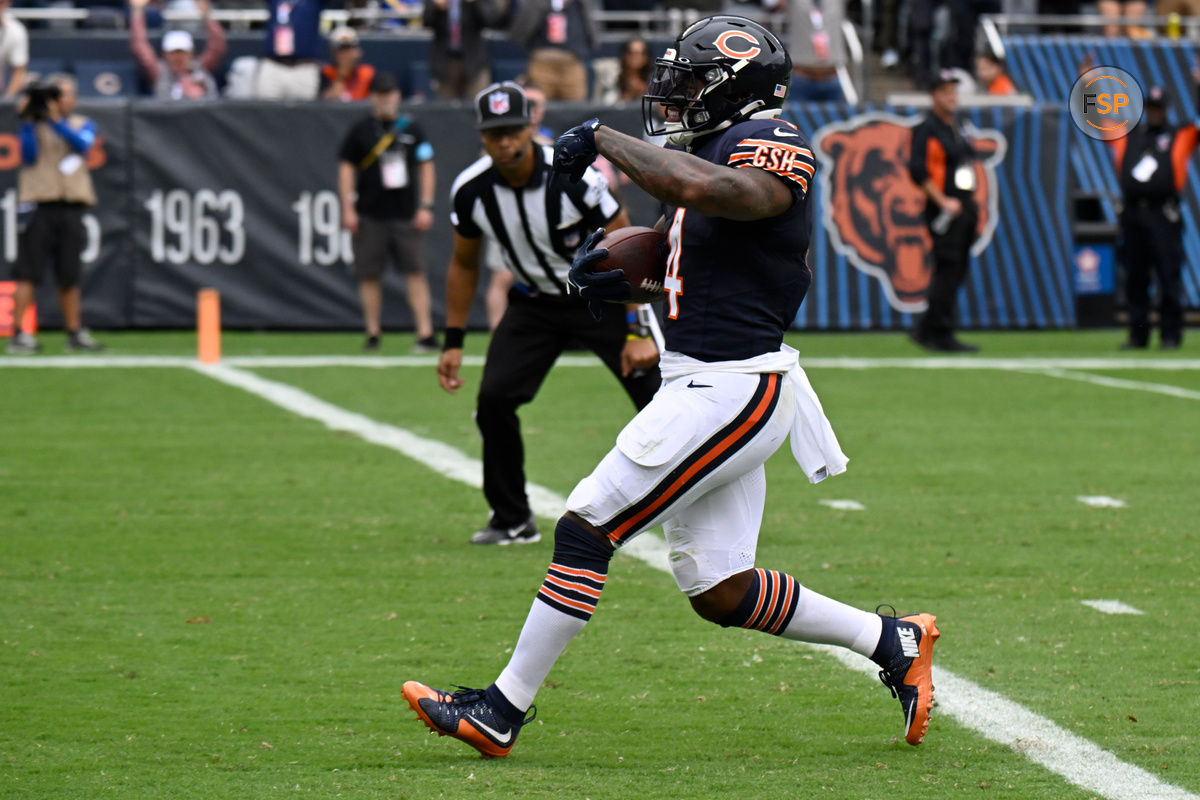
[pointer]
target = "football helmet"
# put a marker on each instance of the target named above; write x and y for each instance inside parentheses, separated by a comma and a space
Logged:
(721, 70)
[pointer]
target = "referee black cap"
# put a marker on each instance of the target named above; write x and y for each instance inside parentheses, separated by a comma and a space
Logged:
(501, 105)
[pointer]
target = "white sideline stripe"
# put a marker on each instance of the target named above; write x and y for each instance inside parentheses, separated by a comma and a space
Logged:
(440, 457)
(842, 505)
(1111, 607)
(1042, 365)
(1120, 383)
(995, 717)
(985, 712)
(1100, 501)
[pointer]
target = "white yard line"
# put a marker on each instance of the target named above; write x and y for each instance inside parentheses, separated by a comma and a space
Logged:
(1100, 501)
(842, 505)
(985, 712)
(1040, 365)
(1118, 383)
(995, 717)
(1111, 607)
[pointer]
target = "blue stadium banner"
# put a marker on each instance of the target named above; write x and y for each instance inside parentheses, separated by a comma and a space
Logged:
(871, 249)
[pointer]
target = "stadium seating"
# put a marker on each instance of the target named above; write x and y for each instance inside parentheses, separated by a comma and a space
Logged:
(41, 67)
(106, 78)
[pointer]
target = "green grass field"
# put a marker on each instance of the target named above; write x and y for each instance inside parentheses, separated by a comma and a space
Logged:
(208, 596)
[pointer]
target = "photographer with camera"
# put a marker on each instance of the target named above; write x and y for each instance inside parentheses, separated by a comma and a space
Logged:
(54, 188)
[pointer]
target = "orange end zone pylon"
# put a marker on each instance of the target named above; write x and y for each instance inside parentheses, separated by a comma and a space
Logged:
(208, 326)
(8, 326)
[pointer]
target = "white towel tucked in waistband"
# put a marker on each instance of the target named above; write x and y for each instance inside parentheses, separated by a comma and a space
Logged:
(814, 445)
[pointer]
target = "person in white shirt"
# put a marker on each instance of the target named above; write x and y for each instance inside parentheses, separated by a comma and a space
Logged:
(14, 50)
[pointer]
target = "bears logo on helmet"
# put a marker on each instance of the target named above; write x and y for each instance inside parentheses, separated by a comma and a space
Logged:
(720, 71)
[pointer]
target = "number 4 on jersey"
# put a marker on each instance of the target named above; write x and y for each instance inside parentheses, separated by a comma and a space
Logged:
(672, 284)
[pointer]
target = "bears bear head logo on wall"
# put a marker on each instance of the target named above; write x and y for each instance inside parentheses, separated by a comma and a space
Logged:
(874, 213)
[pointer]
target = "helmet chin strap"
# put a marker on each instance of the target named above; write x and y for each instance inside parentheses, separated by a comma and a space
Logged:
(766, 113)
(752, 110)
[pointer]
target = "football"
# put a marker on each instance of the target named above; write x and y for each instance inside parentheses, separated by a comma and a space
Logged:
(642, 254)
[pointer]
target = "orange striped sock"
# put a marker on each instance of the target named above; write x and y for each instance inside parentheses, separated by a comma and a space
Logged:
(768, 605)
(572, 590)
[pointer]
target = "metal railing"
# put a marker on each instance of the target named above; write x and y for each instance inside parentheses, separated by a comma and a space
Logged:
(1189, 27)
(851, 84)
(614, 24)
(234, 18)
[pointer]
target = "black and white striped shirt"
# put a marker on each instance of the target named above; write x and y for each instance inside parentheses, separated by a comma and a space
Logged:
(536, 227)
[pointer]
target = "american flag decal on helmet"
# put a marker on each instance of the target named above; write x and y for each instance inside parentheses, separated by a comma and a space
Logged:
(780, 90)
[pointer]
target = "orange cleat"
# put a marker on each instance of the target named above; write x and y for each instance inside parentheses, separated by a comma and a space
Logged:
(466, 715)
(909, 673)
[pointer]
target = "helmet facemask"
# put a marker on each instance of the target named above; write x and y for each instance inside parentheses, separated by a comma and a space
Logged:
(687, 90)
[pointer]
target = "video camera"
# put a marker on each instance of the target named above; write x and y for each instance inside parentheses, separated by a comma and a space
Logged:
(39, 96)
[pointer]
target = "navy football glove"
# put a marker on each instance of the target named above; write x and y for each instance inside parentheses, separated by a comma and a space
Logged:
(575, 150)
(596, 287)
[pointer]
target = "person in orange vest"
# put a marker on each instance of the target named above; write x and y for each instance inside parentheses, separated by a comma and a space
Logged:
(1152, 164)
(993, 78)
(347, 78)
(942, 164)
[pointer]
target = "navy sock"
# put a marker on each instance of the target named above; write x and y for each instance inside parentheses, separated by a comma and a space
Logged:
(887, 642)
(498, 701)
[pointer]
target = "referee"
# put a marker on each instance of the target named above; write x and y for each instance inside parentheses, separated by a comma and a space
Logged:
(536, 219)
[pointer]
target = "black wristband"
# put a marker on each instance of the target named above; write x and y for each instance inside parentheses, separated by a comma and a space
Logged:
(454, 339)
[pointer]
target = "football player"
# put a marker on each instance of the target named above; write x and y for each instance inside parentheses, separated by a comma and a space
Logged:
(734, 184)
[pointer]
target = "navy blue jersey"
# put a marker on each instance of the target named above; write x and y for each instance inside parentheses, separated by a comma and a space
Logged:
(734, 287)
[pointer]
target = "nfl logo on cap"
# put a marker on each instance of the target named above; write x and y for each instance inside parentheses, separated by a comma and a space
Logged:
(502, 105)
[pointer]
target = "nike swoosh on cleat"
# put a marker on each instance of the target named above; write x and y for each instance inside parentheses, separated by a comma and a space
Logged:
(501, 739)
(783, 132)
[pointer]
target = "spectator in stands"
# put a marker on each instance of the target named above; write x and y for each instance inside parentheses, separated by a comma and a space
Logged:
(387, 183)
(458, 56)
(625, 78)
(537, 114)
(560, 37)
(288, 69)
(1059, 8)
(816, 51)
(178, 75)
(1114, 9)
(54, 188)
(993, 78)
(920, 39)
(14, 49)
(887, 36)
(347, 78)
(964, 19)
(1184, 8)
